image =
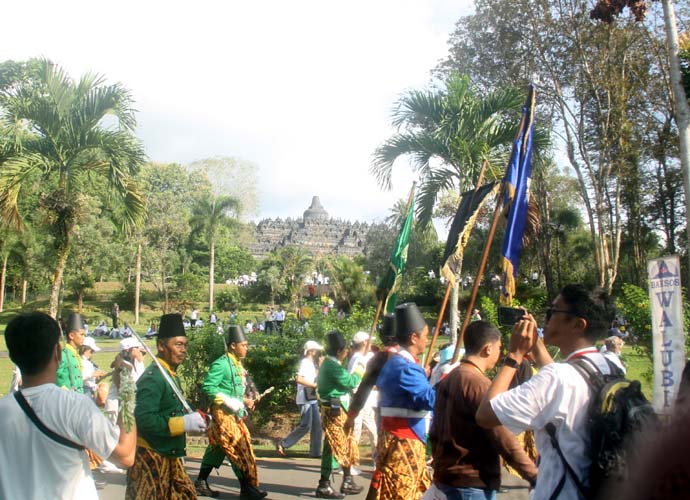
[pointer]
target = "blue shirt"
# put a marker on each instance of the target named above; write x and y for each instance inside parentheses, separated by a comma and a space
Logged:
(404, 388)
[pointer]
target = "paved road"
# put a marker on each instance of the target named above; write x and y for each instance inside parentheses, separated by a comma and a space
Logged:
(286, 478)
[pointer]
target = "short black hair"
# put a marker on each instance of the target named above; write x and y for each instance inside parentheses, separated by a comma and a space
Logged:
(478, 334)
(594, 305)
(31, 339)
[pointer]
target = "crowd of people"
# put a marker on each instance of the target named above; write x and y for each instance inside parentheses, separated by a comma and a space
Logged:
(441, 437)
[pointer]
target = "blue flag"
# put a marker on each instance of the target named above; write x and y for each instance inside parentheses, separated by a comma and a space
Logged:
(516, 198)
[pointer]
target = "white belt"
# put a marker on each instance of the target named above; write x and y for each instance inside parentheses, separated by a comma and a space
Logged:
(388, 411)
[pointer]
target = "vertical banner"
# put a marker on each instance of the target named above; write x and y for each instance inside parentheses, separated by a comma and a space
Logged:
(668, 336)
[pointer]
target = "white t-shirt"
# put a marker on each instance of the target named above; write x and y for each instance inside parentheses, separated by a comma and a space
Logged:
(363, 359)
(307, 370)
(557, 394)
(36, 467)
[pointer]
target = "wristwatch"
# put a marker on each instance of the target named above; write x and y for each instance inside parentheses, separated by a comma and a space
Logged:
(507, 361)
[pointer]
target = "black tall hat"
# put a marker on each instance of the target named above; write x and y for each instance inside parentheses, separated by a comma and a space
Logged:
(408, 320)
(387, 332)
(171, 326)
(334, 342)
(235, 334)
(74, 323)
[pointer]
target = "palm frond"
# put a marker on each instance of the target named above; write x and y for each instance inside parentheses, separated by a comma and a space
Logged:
(12, 176)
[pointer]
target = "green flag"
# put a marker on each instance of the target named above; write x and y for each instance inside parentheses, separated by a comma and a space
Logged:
(391, 281)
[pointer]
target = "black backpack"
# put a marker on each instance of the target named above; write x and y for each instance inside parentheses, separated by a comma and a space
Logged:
(618, 414)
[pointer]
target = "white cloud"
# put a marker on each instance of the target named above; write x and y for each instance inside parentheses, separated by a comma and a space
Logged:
(302, 88)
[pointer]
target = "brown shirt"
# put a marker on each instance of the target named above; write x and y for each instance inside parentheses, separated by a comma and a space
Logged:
(466, 455)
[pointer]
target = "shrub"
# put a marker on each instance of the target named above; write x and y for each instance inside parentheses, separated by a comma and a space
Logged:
(124, 297)
(228, 299)
(203, 347)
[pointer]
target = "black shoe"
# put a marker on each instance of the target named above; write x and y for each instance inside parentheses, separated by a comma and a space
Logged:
(324, 490)
(204, 490)
(249, 492)
(349, 487)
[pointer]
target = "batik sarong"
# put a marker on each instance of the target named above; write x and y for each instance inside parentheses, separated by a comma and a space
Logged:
(155, 477)
(528, 443)
(343, 445)
(232, 437)
(94, 460)
(402, 466)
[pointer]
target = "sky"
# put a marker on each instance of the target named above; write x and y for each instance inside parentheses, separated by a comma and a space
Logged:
(303, 89)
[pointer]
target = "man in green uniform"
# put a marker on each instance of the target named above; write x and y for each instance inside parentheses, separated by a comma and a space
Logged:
(69, 371)
(158, 472)
(225, 386)
(334, 385)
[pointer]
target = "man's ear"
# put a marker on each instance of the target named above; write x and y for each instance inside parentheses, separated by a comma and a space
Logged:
(486, 350)
(581, 324)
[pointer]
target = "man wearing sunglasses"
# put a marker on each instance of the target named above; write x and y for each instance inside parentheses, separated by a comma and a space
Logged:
(558, 394)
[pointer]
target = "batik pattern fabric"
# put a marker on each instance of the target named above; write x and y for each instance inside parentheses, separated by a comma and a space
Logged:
(343, 445)
(529, 444)
(155, 477)
(229, 434)
(94, 460)
(402, 466)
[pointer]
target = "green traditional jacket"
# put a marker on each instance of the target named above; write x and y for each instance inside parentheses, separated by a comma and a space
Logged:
(334, 381)
(226, 375)
(159, 414)
(69, 371)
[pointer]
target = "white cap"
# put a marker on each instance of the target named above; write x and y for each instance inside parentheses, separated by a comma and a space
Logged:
(91, 343)
(311, 345)
(360, 337)
(128, 343)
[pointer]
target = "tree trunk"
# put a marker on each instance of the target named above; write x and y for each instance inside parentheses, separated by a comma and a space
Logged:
(3, 275)
(680, 105)
(453, 315)
(80, 300)
(24, 283)
(210, 277)
(137, 285)
(57, 281)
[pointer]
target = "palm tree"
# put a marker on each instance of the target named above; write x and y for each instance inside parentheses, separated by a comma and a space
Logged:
(448, 134)
(208, 215)
(69, 136)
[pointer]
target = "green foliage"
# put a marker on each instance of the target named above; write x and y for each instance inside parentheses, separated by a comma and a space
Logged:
(203, 347)
(419, 288)
(273, 361)
(232, 261)
(488, 309)
(228, 299)
(190, 285)
(319, 324)
(350, 284)
(125, 297)
(634, 307)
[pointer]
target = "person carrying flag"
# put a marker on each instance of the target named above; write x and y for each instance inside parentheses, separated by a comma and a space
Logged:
(158, 472)
(406, 401)
(225, 386)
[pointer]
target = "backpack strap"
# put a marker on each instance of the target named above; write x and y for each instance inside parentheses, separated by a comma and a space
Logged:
(595, 380)
(551, 430)
(24, 405)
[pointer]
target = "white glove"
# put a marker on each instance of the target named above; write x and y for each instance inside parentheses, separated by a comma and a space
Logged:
(194, 423)
(233, 404)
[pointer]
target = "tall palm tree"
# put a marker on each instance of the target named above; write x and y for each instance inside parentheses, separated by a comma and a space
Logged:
(448, 134)
(69, 135)
(208, 215)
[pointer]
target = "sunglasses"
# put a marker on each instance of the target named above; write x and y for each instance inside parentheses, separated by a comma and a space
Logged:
(551, 310)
